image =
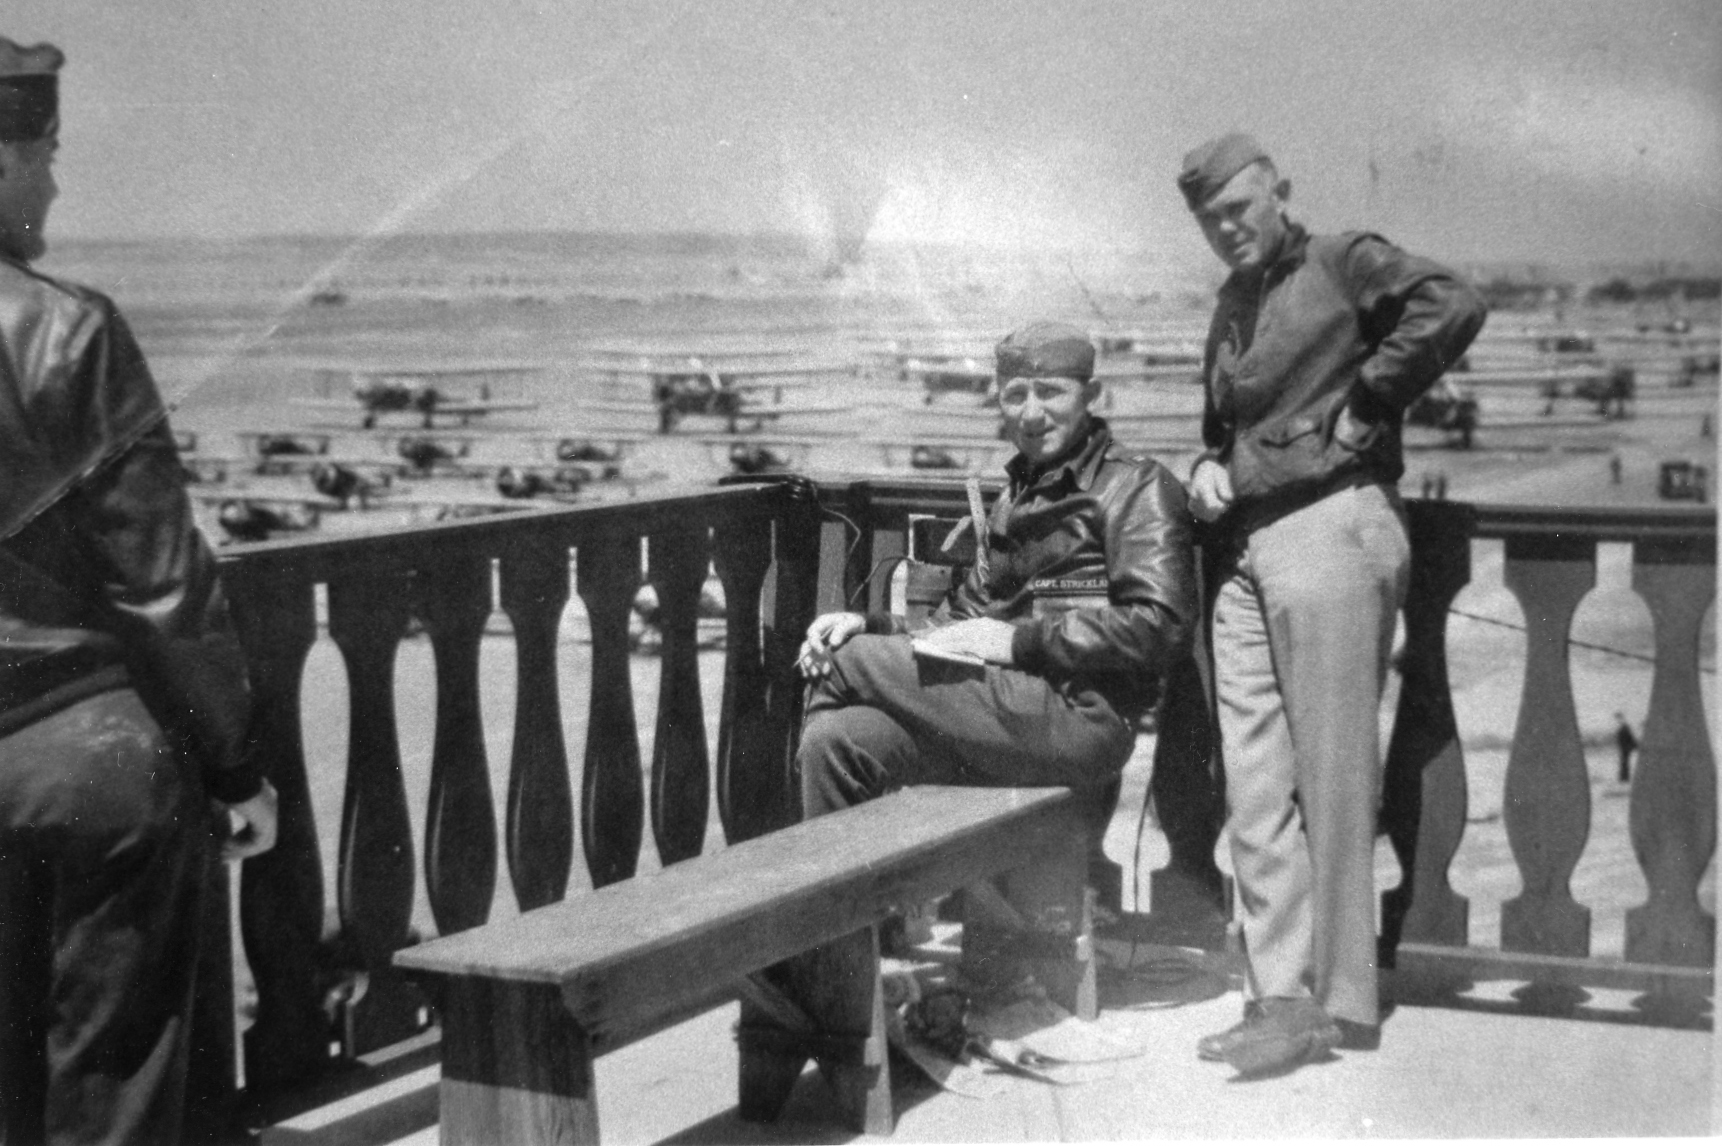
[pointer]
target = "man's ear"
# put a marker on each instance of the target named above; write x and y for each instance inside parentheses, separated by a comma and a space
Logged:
(1090, 391)
(1282, 190)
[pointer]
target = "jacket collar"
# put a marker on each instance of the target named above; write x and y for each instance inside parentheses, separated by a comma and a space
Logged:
(1080, 467)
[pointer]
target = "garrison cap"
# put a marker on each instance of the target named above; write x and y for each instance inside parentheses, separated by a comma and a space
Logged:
(29, 91)
(1045, 350)
(1212, 165)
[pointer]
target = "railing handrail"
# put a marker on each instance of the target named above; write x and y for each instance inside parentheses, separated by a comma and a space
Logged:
(393, 549)
(1598, 523)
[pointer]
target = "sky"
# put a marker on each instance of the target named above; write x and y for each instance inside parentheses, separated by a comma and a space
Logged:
(1542, 131)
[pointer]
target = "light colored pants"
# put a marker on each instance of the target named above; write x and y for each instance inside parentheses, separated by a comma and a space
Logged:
(1303, 628)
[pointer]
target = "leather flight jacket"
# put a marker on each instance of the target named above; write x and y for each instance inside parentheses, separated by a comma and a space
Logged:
(104, 578)
(1311, 363)
(1091, 559)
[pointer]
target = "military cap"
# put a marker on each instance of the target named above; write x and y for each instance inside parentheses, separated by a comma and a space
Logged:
(29, 91)
(1212, 165)
(1045, 350)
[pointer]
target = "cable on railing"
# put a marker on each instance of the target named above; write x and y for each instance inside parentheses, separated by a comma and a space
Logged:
(1570, 640)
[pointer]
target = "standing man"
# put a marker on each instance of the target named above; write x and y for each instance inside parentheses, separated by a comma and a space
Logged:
(1081, 597)
(123, 696)
(1317, 346)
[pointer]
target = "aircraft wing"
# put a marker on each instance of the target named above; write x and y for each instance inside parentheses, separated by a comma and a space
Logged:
(421, 369)
(783, 375)
(483, 406)
(1533, 376)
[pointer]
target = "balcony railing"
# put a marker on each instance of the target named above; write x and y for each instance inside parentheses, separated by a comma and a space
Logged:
(783, 551)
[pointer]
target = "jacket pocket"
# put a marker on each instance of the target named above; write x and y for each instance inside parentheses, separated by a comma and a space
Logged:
(1286, 453)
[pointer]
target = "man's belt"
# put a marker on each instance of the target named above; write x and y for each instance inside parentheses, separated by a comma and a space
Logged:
(1250, 516)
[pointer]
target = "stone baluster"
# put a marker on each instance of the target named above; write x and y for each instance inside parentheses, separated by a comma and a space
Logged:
(1547, 799)
(681, 764)
(793, 604)
(748, 798)
(1424, 793)
(612, 797)
(460, 822)
(281, 894)
(1673, 811)
(539, 832)
(374, 877)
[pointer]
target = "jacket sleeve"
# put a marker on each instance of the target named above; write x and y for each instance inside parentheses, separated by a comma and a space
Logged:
(1148, 621)
(1421, 316)
(159, 591)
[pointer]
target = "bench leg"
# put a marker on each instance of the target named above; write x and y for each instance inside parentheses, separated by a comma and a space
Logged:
(516, 1067)
(840, 1025)
(1047, 928)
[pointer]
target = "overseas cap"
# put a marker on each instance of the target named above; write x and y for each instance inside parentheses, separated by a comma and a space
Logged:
(29, 91)
(1212, 165)
(1045, 350)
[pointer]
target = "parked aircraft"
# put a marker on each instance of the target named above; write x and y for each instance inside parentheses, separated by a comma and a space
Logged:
(417, 389)
(693, 386)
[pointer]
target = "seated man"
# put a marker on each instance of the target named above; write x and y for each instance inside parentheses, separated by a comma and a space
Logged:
(1081, 598)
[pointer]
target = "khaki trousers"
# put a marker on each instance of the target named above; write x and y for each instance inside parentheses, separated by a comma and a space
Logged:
(1303, 628)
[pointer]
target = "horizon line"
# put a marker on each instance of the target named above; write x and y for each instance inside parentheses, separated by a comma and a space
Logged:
(1648, 264)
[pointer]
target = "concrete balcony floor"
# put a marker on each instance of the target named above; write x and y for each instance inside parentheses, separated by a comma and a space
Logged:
(1440, 1072)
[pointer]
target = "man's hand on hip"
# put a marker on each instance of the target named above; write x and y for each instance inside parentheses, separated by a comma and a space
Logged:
(1210, 490)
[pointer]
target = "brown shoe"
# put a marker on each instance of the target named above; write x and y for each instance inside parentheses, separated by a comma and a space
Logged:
(1288, 1033)
(1213, 1048)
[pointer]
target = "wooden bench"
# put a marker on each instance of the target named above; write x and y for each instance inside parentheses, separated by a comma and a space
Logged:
(786, 922)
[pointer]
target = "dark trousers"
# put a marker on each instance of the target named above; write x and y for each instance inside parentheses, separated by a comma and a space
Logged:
(104, 843)
(885, 719)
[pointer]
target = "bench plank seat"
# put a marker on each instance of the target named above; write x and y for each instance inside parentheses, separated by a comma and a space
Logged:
(633, 957)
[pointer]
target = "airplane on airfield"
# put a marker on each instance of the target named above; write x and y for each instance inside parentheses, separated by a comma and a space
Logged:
(693, 386)
(416, 388)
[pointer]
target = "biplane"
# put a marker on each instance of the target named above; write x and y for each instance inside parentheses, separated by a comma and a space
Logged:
(694, 386)
(752, 452)
(934, 453)
(416, 389)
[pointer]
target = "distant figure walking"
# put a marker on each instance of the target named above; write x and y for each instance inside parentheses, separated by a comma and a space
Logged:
(1627, 743)
(1614, 469)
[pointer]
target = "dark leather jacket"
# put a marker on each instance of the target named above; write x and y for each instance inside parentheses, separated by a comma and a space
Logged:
(104, 577)
(1091, 560)
(1311, 364)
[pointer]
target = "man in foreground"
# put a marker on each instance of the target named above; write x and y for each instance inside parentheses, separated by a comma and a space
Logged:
(1318, 344)
(123, 695)
(1037, 666)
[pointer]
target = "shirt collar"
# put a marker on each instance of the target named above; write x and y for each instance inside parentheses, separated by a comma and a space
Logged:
(1081, 465)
